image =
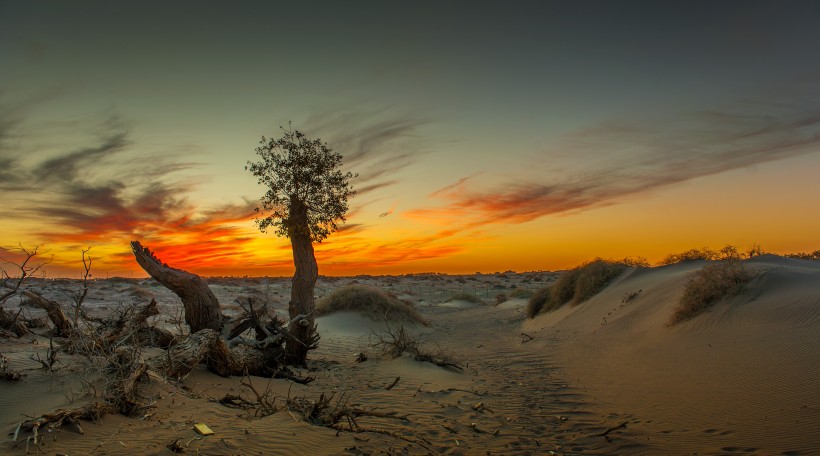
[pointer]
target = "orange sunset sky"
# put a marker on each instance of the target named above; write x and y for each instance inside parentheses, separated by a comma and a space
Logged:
(487, 136)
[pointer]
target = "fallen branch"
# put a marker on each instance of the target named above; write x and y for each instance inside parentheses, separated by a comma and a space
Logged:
(605, 432)
(393, 384)
(12, 323)
(89, 412)
(62, 326)
(6, 373)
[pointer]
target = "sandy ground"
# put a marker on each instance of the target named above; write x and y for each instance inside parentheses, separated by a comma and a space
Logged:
(744, 378)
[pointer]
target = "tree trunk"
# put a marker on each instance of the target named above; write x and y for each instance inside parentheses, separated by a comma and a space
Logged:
(302, 302)
(201, 306)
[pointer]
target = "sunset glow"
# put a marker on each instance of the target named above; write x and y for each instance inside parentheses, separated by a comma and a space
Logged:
(531, 137)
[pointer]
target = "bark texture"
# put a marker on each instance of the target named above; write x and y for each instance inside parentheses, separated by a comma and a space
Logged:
(207, 346)
(302, 304)
(201, 306)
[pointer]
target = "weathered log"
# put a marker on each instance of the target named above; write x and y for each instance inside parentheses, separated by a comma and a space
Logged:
(91, 412)
(62, 326)
(201, 305)
(125, 368)
(130, 323)
(208, 347)
(153, 336)
(183, 357)
(6, 373)
(12, 323)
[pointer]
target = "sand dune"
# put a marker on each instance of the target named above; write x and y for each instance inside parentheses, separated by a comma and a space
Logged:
(741, 378)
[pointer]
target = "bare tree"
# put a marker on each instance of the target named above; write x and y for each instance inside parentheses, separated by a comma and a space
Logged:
(306, 196)
(14, 284)
(25, 269)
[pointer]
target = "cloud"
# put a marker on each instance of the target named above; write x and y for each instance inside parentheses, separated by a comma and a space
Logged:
(452, 187)
(613, 161)
(108, 193)
(367, 254)
(68, 167)
(376, 145)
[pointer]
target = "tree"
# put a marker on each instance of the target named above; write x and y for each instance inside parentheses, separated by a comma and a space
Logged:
(306, 196)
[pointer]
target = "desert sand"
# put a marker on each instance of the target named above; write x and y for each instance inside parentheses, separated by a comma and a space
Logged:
(603, 377)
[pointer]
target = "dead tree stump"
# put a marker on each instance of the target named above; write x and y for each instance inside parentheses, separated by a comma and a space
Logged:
(201, 306)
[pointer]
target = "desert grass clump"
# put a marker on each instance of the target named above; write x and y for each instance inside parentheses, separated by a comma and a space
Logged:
(468, 297)
(709, 285)
(728, 252)
(593, 277)
(540, 302)
(370, 301)
(521, 293)
(575, 285)
(805, 256)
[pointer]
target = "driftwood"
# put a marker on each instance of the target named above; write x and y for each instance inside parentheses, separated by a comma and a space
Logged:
(56, 419)
(182, 358)
(201, 306)
(6, 373)
(125, 369)
(208, 347)
(605, 432)
(12, 323)
(134, 322)
(62, 326)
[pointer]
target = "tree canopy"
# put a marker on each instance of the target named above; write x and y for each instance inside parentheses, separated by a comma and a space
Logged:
(301, 175)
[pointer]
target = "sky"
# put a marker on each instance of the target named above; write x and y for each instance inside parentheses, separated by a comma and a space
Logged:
(487, 136)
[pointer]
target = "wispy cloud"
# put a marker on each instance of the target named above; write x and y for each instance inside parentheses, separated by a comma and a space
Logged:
(370, 254)
(109, 193)
(376, 145)
(618, 160)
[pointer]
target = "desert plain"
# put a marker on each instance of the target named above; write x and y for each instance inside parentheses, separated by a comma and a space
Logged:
(609, 375)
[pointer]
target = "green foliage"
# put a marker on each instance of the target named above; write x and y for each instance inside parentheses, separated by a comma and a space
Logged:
(575, 285)
(307, 192)
(372, 302)
(708, 285)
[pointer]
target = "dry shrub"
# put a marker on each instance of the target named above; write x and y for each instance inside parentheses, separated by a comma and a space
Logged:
(540, 302)
(521, 293)
(805, 256)
(138, 292)
(575, 285)
(729, 252)
(710, 284)
(500, 298)
(395, 342)
(593, 277)
(372, 302)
